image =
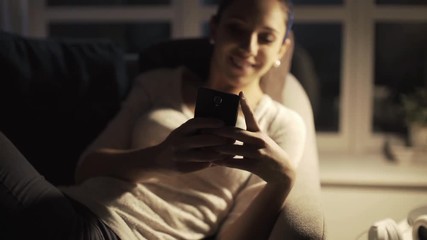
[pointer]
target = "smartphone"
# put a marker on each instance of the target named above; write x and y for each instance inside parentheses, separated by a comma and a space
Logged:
(219, 105)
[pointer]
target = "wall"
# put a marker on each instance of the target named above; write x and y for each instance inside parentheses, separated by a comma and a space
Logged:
(350, 211)
(358, 190)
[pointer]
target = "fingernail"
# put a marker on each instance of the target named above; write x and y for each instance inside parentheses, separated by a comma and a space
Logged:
(242, 95)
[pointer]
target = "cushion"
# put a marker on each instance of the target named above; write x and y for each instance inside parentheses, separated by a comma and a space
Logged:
(56, 96)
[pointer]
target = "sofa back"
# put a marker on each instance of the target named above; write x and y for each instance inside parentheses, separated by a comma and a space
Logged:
(56, 96)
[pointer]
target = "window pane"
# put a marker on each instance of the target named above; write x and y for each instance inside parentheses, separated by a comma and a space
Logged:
(317, 65)
(131, 36)
(409, 2)
(105, 2)
(400, 67)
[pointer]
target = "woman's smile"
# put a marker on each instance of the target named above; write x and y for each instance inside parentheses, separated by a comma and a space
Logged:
(241, 64)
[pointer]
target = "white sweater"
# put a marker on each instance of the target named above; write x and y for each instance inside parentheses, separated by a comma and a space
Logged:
(187, 206)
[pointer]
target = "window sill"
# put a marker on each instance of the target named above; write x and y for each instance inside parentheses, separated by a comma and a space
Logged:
(371, 170)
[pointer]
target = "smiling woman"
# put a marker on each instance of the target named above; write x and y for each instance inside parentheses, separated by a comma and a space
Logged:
(249, 38)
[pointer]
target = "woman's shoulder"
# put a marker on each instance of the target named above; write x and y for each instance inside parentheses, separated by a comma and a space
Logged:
(282, 121)
(159, 77)
(159, 83)
(287, 128)
(281, 117)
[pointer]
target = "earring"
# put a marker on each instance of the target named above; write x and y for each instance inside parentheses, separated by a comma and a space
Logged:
(277, 63)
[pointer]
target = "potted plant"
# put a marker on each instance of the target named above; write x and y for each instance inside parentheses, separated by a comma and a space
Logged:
(415, 109)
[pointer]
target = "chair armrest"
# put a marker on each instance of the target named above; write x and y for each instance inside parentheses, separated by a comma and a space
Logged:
(302, 216)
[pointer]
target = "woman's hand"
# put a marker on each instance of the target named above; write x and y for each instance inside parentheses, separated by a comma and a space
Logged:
(190, 148)
(260, 154)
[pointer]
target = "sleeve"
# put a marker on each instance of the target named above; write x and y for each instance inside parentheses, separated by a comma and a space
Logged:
(118, 132)
(288, 131)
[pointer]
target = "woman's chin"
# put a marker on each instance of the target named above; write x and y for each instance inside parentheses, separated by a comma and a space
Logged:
(238, 81)
(238, 74)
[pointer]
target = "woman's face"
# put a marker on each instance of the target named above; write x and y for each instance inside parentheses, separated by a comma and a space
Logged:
(248, 40)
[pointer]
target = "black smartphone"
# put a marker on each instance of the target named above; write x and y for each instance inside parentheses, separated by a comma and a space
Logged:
(219, 105)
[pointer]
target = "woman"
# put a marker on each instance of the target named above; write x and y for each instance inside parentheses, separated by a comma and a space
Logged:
(158, 173)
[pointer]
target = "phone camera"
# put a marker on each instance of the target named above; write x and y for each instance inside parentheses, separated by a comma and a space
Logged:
(217, 100)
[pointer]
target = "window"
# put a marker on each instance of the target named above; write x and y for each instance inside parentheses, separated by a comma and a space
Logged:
(317, 64)
(398, 71)
(362, 53)
(399, 29)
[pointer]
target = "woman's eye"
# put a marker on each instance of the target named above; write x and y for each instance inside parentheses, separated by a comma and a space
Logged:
(267, 38)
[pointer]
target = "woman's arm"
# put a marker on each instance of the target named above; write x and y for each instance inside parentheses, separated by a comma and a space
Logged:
(257, 221)
(185, 149)
(109, 148)
(129, 165)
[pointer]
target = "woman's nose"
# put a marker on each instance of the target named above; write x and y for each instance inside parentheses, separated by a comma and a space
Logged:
(249, 44)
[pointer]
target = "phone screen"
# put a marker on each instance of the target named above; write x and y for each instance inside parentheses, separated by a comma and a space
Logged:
(219, 105)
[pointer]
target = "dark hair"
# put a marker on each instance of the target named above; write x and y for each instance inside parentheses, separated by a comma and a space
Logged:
(223, 4)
